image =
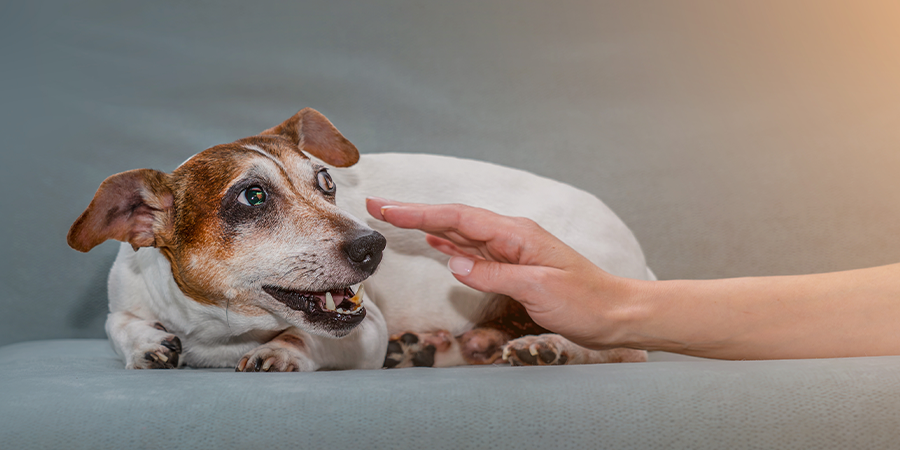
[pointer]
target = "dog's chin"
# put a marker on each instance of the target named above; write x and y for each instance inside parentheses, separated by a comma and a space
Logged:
(333, 313)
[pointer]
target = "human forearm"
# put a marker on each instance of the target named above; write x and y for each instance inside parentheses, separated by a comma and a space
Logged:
(853, 313)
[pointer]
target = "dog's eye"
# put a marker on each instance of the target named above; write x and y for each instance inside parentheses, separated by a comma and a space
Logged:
(326, 184)
(253, 196)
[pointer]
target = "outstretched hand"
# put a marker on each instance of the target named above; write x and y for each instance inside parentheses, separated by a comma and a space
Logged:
(850, 313)
(561, 289)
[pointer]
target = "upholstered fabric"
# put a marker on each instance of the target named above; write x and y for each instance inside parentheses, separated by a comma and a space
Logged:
(75, 394)
(735, 138)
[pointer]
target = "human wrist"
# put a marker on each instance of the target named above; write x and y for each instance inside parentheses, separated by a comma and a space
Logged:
(633, 316)
(619, 313)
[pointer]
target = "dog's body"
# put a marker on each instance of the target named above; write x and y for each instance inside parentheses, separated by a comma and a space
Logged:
(257, 260)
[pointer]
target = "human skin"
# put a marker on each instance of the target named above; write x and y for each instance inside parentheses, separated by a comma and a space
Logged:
(838, 314)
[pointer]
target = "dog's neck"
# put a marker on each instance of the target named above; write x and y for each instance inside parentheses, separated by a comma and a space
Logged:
(213, 323)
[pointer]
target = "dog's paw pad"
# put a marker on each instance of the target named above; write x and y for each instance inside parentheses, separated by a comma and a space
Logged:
(543, 350)
(416, 349)
(275, 357)
(164, 355)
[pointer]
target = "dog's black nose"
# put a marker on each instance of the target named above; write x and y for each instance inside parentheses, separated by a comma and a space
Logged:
(364, 252)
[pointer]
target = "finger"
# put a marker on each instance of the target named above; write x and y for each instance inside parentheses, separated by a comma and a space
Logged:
(522, 283)
(444, 246)
(449, 248)
(374, 205)
(471, 223)
(496, 237)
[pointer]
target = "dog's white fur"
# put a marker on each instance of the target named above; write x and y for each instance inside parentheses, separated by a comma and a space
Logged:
(411, 290)
(412, 286)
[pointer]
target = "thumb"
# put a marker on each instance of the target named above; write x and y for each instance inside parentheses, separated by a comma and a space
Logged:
(512, 280)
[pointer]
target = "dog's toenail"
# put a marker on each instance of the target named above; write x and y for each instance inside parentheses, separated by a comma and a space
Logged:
(172, 344)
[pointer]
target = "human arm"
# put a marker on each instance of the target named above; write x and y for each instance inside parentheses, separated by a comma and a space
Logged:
(852, 313)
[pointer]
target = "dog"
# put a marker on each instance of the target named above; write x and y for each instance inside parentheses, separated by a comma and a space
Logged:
(259, 255)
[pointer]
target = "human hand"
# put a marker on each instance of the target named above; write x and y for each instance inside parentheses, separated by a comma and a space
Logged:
(561, 289)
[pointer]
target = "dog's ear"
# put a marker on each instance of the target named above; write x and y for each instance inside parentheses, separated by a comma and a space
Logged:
(314, 134)
(133, 207)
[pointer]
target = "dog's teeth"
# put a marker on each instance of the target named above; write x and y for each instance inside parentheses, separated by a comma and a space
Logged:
(162, 357)
(358, 298)
(329, 302)
(342, 310)
(533, 350)
(506, 353)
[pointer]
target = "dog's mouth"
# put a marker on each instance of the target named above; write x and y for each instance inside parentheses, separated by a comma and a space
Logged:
(334, 308)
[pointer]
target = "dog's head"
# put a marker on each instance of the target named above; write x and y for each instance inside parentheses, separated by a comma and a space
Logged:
(251, 225)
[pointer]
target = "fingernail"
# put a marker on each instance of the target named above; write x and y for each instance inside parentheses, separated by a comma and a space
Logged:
(460, 265)
(385, 208)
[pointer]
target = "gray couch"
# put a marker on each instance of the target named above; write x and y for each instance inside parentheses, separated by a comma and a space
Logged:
(735, 139)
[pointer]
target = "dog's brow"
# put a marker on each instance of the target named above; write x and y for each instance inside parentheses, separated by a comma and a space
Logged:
(259, 150)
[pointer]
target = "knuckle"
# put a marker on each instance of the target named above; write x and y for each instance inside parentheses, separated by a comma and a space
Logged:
(527, 224)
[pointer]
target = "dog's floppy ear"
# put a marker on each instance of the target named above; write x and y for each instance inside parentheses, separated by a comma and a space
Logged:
(314, 134)
(130, 207)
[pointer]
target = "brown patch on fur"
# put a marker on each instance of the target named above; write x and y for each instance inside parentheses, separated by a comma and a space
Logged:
(510, 317)
(130, 207)
(506, 321)
(482, 345)
(316, 135)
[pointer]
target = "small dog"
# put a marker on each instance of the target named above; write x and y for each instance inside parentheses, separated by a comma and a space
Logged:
(247, 256)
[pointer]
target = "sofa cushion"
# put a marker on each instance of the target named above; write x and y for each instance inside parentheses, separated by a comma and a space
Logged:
(75, 394)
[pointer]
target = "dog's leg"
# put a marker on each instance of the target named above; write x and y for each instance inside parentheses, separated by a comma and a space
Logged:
(553, 349)
(142, 344)
(510, 336)
(288, 352)
(481, 345)
(478, 346)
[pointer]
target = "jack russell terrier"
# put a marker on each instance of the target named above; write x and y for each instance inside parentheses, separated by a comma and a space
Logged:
(253, 255)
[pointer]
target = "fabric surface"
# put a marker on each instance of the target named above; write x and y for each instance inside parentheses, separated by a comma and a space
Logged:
(735, 138)
(75, 394)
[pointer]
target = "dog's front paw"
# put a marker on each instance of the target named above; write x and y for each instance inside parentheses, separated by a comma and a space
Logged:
(542, 350)
(276, 356)
(416, 349)
(163, 353)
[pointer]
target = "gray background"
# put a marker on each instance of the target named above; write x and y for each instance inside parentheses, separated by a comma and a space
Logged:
(735, 138)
